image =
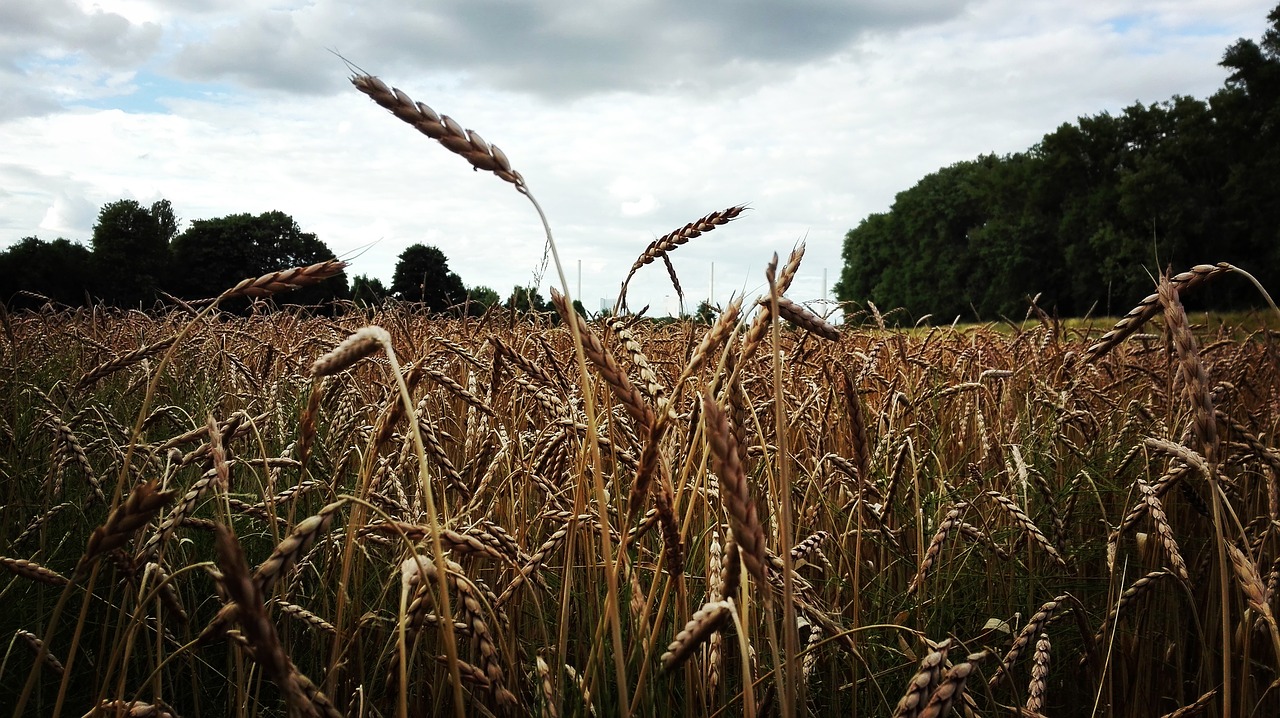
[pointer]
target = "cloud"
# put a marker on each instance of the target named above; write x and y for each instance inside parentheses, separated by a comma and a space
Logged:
(53, 52)
(549, 48)
(814, 118)
(69, 215)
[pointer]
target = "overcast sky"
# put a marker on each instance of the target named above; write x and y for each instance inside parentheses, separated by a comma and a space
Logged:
(628, 119)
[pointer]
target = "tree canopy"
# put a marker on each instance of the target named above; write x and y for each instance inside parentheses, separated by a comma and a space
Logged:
(60, 270)
(422, 275)
(214, 254)
(131, 250)
(1086, 216)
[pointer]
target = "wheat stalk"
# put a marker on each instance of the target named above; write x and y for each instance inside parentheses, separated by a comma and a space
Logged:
(659, 247)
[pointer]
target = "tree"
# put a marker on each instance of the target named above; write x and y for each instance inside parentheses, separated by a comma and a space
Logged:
(422, 275)
(61, 270)
(706, 312)
(368, 291)
(130, 252)
(527, 299)
(213, 255)
(481, 298)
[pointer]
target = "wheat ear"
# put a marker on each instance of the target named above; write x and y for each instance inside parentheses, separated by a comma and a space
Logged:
(659, 247)
(441, 128)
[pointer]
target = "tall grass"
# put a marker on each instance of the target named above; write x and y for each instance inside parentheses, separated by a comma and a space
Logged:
(385, 513)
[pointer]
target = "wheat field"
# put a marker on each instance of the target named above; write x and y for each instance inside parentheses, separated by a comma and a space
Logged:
(382, 513)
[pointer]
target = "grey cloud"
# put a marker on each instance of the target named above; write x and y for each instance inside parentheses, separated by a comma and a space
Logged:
(552, 48)
(37, 32)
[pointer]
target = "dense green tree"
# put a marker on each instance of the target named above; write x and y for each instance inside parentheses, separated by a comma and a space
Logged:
(527, 299)
(1092, 212)
(422, 275)
(215, 254)
(61, 270)
(368, 291)
(706, 312)
(130, 252)
(481, 298)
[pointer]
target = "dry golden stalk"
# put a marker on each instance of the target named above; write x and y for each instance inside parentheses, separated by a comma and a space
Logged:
(664, 502)
(858, 435)
(713, 339)
(528, 366)
(923, 683)
(285, 280)
(142, 504)
(545, 681)
(945, 527)
(37, 645)
(305, 616)
(1020, 517)
(1131, 594)
(459, 390)
(168, 594)
(257, 628)
(307, 422)
(471, 613)
(535, 562)
(630, 397)
(1156, 509)
(441, 128)
(1039, 675)
(747, 530)
(973, 533)
(121, 708)
(800, 316)
(951, 688)
(760, 325)
(365, 341)
(1193, 709)
(39, 521)
(704, 622)
(659, 247)
(179, 515)
(649, 460)
(809, 551)
(1195, 378)
(1255, 591)
(1034, 627)
(291, 547)
(649, 383)
(1149, 307)
(123, 361)
(33, 571)
(730, 569)
(67, 439)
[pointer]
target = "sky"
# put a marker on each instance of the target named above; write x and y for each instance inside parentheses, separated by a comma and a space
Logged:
(627, 118)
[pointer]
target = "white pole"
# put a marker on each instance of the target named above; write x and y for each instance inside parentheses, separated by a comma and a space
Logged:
(712, 299)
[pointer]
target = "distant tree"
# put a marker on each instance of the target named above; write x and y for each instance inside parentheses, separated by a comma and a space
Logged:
(527, 299)
(481, 298)
(168, 222)
(131, 251)
(215, 254)
(706, 312)
(422, 275)
(61, 270)
(368, 291)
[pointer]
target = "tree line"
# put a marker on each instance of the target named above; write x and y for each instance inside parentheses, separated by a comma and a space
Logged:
(1086, 217)
(137, 256)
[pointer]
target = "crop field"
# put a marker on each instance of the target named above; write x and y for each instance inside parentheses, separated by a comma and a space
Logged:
(212, 514)
(384, 513)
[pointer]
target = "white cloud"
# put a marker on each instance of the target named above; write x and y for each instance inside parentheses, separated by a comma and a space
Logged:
(627, 126)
